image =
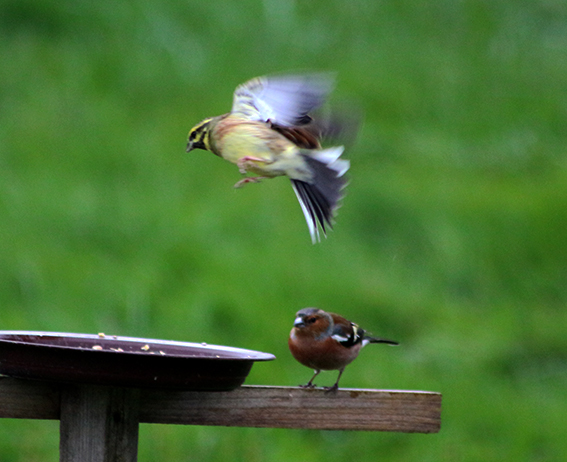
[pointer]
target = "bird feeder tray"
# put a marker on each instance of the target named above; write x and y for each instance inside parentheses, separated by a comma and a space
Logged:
(124, 361)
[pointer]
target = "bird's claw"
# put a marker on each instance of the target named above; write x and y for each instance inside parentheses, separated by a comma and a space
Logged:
(248, 179)
(332, 389)
(308, 385)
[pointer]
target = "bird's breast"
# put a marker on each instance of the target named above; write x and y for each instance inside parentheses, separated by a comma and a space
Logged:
(323, 355)
(275, 155)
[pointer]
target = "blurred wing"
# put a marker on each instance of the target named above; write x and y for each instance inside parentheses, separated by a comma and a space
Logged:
(337, 124)
(284, 100)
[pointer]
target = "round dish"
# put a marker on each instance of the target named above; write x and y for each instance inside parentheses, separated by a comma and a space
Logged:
(124, 361)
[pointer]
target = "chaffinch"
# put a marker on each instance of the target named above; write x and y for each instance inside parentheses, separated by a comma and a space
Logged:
(327, 341)
(269, 133)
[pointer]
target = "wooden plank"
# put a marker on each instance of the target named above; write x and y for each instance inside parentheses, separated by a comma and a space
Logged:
(98, 424)
(252, 406)
(28, 399)
(293, 407)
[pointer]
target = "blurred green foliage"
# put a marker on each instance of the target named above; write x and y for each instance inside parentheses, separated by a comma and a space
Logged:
(452, 238)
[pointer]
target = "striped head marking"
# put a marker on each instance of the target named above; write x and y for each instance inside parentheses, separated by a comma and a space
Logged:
(199, 136)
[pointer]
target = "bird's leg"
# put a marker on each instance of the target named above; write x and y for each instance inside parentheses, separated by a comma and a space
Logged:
(244, 164)
(310, 384)
(246, 161)
(335, 387)
(249, 179)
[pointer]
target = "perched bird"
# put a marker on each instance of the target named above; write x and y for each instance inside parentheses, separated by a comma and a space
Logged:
(270, 133)
(326, 341)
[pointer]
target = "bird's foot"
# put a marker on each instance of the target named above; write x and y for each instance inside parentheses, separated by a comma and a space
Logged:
(308, 385)
(332, 389)
(248, 179)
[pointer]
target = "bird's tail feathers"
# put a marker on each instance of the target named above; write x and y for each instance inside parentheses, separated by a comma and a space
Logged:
(319, 197)
(330, 157)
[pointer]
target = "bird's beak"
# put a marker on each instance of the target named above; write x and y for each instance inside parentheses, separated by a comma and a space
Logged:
(196, 144)
(298, 322)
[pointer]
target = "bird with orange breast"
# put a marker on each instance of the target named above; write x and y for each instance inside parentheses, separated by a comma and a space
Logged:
(326, 342)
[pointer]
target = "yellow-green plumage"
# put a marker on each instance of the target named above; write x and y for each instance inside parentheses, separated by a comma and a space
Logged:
(269, 133)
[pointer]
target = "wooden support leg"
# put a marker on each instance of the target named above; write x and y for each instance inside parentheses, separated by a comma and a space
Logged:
(99, 424)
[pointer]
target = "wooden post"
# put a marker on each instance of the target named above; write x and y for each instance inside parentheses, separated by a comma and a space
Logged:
(98, 424)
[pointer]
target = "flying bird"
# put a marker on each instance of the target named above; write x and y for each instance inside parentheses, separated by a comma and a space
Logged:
(326, 341)
(269, 132)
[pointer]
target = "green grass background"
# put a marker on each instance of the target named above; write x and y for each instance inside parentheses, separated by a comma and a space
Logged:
(452, 238)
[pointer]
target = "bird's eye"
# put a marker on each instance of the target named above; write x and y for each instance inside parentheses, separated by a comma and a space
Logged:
(310, 320)
(191, 136)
